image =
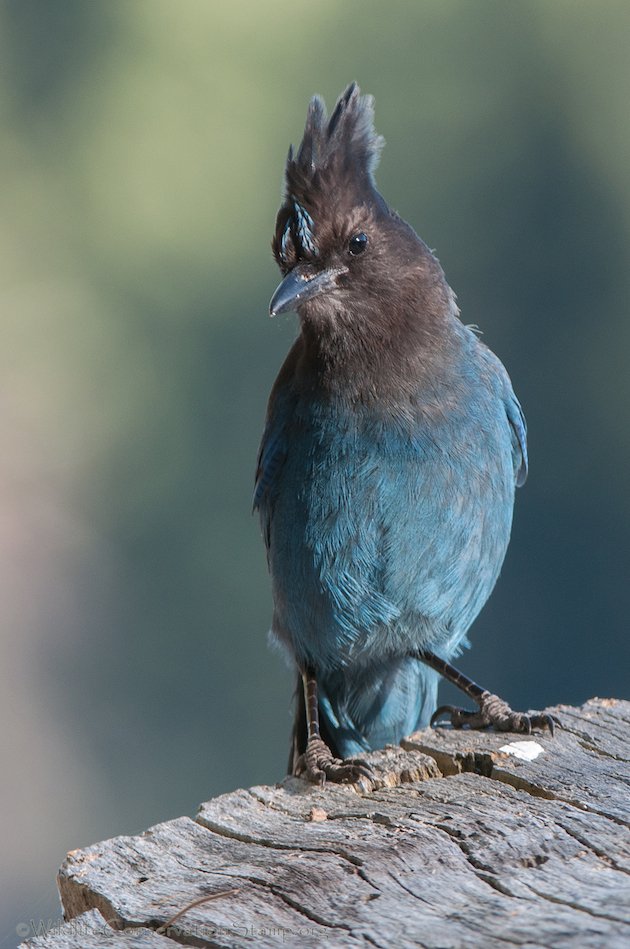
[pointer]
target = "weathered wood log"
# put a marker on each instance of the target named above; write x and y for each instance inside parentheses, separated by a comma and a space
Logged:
(468, 839)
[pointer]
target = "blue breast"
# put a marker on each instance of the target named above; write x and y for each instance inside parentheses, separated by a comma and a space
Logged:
(388, 532)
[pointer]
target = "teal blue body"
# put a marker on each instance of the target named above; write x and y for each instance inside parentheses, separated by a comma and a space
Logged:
(387, 525)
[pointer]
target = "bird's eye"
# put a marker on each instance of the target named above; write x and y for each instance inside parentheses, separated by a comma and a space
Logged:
(357, 244)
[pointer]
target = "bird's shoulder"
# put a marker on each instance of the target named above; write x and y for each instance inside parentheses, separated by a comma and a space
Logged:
(274, 443)
(498, 377)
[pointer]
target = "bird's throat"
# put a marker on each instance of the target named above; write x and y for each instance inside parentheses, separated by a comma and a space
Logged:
(367, 359)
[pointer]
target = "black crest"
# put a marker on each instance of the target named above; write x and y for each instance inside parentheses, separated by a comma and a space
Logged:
(336, 159)
(344, 146)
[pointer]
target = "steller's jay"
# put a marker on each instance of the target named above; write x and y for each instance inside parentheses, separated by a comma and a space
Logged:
(392, 447)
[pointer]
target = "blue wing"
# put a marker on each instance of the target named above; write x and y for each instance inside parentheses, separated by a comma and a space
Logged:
(518, 432)
(271, 457)
(274, 445)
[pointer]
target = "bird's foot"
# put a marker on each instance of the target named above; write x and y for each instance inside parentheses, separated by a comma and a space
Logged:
(494, 711)
(319, 765)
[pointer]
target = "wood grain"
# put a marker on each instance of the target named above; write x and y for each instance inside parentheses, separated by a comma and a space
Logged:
(458, 844)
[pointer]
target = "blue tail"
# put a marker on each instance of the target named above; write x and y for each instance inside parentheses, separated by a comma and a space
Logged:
(369, 707)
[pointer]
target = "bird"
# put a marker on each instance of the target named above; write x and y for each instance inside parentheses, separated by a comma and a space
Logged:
(386, 476)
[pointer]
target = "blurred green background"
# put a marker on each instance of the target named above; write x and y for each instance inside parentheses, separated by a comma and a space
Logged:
(141, 154)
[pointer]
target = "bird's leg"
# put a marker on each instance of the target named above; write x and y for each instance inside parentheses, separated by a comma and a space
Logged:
(492, 710)
(318, 763)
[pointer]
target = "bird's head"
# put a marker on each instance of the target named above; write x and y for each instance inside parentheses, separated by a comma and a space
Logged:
(342, 251)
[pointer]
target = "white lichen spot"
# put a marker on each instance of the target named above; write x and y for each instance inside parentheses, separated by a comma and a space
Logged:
(525, 750)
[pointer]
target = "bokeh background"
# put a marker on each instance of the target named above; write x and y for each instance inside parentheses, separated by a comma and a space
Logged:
(141, 155)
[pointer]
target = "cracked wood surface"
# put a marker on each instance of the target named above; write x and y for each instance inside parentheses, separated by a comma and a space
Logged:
(460, 844)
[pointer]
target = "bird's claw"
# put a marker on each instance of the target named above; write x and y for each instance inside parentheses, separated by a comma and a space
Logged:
(319, 765)
(493, 711)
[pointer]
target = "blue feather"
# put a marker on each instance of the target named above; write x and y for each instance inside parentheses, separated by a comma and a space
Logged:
(305, 229)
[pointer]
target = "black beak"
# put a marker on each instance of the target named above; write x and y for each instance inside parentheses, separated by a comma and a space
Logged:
(302, 284)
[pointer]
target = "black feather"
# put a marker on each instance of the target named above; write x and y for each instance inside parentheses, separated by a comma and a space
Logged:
(345, 143)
